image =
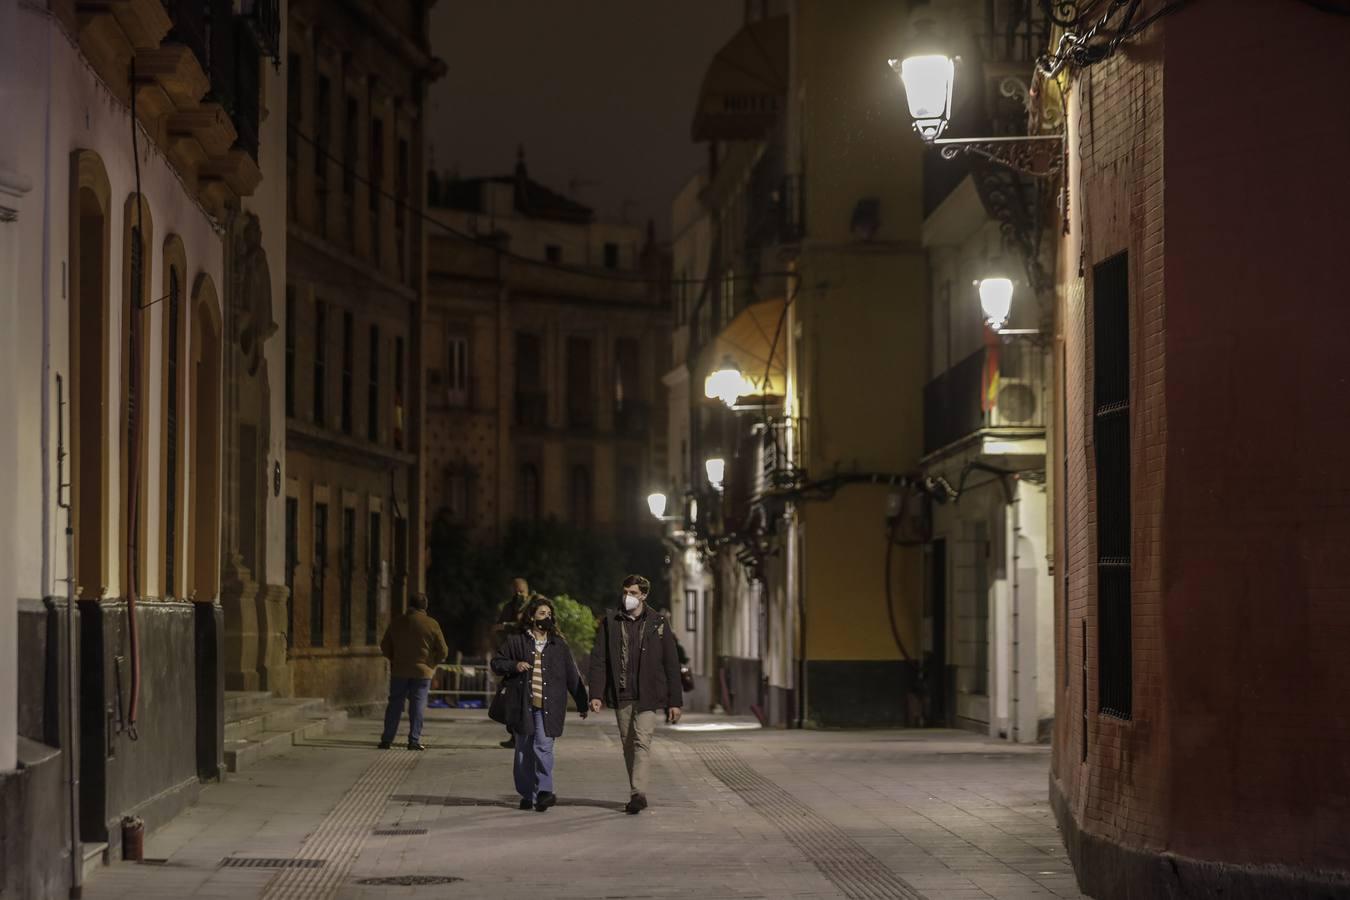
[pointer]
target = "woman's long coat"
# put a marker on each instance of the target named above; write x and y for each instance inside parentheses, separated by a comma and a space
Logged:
(560, 679)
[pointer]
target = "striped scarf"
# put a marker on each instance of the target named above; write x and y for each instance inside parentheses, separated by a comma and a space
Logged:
(537, 675)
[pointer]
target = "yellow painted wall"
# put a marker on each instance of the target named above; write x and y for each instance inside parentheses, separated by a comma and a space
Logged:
(862, 308)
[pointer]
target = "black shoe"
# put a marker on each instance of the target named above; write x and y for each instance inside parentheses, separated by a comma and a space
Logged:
(416, 745)
(385, 745)
(509, 743)
(546, 799)
(525, 803)
(636, 804)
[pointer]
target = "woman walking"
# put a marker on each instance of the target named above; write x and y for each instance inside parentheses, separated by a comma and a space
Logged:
(539, 673)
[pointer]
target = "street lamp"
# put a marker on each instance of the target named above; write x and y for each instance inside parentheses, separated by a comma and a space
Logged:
(656, 502)
(716, 468)
(928, 88)
(726, 383)
(996, 300)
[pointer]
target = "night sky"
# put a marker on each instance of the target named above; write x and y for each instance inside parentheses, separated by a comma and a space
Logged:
(600, 92)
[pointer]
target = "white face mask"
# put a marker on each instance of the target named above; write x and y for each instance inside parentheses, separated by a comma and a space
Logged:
(631, 601)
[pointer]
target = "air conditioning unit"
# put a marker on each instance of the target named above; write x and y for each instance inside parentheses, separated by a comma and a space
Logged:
(1017, 403)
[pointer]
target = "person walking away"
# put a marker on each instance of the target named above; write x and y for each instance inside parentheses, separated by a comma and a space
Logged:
(414, 645)
(635, 669)
(540, 666)
(509, 621)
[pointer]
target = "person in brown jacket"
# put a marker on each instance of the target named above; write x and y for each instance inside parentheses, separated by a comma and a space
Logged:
(414, 645)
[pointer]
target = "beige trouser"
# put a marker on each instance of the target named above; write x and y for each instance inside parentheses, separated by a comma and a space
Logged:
(635, 731)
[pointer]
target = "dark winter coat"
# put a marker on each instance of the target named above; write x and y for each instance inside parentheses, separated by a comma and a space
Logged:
(414, 645)
(658, 665)
(560, 679)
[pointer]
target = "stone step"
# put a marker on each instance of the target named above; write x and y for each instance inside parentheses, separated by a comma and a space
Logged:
(95, 856)
(242, 703)
(276, 715)
(247, 751)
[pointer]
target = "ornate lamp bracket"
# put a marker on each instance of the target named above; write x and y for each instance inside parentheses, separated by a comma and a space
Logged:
(1037, 155)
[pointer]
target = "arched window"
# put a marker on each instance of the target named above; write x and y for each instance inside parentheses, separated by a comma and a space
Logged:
(528, 492)
(581, 496)
(135, 376)
(89, 273)
(204, 483)
(172, 450)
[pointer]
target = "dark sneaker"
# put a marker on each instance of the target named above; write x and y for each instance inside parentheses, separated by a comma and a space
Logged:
(385, 745)
(636, 804)
(508, 744)
(525, 803)
(416, 745)
(546, 799)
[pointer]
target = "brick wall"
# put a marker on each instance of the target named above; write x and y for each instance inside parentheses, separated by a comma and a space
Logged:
(1238, 752)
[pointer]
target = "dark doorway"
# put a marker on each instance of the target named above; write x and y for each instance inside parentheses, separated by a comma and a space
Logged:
(941, 684)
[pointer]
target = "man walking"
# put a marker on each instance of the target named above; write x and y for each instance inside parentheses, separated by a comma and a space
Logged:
(635, 669)
(509, 616)
(414, 645)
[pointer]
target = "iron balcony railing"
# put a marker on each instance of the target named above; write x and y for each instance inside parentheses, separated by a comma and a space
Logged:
(998, 386)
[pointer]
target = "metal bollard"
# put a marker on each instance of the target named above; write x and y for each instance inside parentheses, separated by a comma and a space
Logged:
(133, 838)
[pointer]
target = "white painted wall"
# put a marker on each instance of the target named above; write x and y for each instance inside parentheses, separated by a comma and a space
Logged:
(82, 114)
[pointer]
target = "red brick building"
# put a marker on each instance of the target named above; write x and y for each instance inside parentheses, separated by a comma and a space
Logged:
(1202, 735)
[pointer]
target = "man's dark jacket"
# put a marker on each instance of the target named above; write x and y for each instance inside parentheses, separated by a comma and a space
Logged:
(414, 645)
(560, 679)
(658, 665)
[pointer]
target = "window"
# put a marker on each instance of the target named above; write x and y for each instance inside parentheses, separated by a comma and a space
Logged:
(581, 497)
(457, 371)
(292, 560)
(319, 572)
(690, 611)
(527, 501)
(627, 383)
(320, 359)
(295, 103)
(376, 186)
(348, 351)
(373, 388)
(347, 569)
(323, 127)
(349, 147)
(1111, 445)
(628, 494)
(290, 350)
(400, 207)
(398, 393)
(459, 495)
(171, 436)
(728, 298)
(611, 256)
(531, 400)
(580, 388)
(373, 578)
(553, 253)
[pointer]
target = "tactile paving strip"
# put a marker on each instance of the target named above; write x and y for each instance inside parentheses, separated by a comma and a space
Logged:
(845, 862)
(339, 838)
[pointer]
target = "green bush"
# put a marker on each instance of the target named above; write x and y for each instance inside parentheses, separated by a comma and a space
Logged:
(576, 624)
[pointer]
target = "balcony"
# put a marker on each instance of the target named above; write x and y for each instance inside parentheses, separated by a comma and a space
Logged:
(999, 388)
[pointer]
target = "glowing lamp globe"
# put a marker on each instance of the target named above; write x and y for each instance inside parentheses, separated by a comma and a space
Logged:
(996, 300)
(726, 383)
(656, 502)
(928, 88)
(717, 470)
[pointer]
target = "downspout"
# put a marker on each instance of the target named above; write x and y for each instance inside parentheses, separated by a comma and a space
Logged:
(72, 770)
(1016, 513)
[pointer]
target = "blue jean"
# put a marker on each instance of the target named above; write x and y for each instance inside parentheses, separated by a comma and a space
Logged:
(534, 760)
(414, 690)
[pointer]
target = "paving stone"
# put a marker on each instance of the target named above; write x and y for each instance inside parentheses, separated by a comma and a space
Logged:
(951, 815)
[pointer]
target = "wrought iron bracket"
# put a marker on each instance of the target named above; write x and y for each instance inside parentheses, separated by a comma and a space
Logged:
(1037, 155)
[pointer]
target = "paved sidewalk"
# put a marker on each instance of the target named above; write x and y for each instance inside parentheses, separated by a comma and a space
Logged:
(743, 813)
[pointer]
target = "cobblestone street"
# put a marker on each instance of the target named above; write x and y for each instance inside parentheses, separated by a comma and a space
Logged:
(737, 813)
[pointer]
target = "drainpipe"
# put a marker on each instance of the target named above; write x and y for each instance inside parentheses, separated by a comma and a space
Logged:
(1016, 512)
(72, 770)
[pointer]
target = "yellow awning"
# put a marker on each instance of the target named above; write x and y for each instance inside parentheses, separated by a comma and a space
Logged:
(748, 340)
